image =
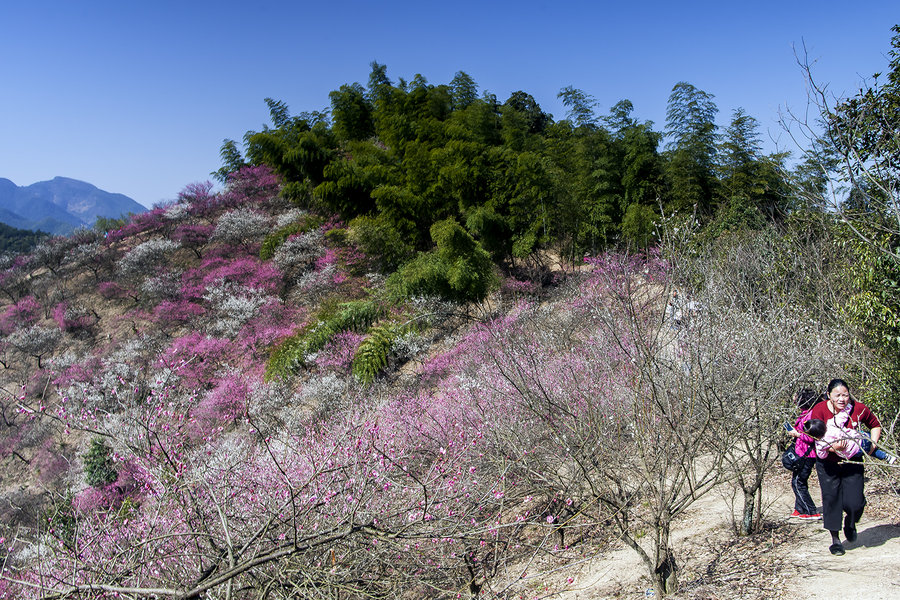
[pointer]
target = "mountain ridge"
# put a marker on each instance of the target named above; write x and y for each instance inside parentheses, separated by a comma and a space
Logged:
(60, 205)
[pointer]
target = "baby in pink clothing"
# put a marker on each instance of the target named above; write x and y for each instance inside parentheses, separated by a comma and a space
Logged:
(828, 434)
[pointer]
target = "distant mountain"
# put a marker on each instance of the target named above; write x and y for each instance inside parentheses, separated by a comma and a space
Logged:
(60, 206)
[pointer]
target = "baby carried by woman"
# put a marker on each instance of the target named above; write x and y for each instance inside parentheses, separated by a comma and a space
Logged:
(856, 443)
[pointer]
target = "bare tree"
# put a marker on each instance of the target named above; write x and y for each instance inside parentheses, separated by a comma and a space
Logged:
(749, 315)
(35, 341)
(612, 420)
(851, 149)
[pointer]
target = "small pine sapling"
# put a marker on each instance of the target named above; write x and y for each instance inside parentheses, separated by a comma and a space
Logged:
(99, 468)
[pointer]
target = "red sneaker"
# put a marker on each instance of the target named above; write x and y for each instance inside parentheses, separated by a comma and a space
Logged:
(811, 517)
(796, 513)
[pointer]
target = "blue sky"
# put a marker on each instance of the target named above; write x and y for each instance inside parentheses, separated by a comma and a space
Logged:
(137, 97)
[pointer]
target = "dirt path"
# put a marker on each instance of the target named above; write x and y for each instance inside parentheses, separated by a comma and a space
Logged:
(870, 569)
(791, 560)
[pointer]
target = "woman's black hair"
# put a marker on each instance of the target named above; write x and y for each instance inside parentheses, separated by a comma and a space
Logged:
(837, 383)
(806, 398)
(814, 428)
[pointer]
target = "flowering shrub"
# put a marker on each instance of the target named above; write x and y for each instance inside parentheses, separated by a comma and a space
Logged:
(248, 272)
(73, 319)
(220, 405)
(24, 312)
(242, 226)
(214, 271)
(164, 286)
(519, 289)
(146, 258)
(233, 305)
(95, 256)
(52, 253)
(35, 341)
(69, 369)
(193, 236)
(289, 217)
(272, 244)
(316, 283)
(272, 322)
(13, 270)
(200, 201)
(177, 312)
(338, 352)
(177, 211)
(196, 358)
(122, 233)
(252, 184)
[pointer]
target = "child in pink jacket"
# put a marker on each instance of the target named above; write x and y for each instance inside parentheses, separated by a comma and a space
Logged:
(804, 446)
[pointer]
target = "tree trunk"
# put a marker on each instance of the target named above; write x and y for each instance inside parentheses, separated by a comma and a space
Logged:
(747, 520)
(752, 513)
(665, 571)
(665, 576)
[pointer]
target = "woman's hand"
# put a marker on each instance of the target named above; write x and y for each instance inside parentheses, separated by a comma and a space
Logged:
(838, 446)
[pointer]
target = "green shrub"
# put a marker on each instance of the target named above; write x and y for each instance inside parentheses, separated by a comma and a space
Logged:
(357, 315)
(290, 356)
(60, 518)
(99, 469)
(374, 351)
(381, 242)
(105, 224)
(638, 225)
(459, 269)
(336, 236)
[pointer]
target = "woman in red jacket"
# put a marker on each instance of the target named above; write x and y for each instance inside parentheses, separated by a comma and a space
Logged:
(841, 480)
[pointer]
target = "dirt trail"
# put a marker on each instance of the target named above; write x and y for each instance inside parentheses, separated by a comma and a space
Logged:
(799, 564)
(870, 569)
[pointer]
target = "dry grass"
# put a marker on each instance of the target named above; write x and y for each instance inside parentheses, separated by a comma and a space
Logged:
(740, 567)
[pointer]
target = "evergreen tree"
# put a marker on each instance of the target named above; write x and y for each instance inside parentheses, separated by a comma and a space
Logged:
(524, 104)
(463, 90)
(298, 148)
(378, 81)
(231, 161)
(351, 113)
(742, 187)
(580, 104)
(693, 136)
(99, 468)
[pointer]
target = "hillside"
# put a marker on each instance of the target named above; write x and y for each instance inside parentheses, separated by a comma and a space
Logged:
(433, 346)
(60, 206)
(18, 240)
(228, 385)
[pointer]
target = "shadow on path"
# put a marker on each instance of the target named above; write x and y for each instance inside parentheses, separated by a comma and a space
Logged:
(875, 536)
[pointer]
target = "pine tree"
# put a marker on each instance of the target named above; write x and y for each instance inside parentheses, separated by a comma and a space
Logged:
(99, 468)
